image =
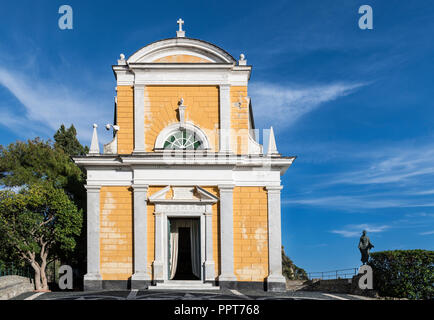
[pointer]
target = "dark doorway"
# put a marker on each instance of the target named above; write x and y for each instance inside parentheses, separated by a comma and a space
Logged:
(184, 270)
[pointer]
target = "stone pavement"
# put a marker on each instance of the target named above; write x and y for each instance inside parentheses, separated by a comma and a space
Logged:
(182, 295)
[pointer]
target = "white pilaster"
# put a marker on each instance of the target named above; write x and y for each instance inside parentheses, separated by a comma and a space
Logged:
(209, 259)
(159, 254)
(140, 234)
(93, 247)
(139, 118)
(275, 280)
(227, 233)
(225, 118)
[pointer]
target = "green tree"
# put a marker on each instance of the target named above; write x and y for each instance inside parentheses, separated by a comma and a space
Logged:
(66, 139)
(38, 161)
(38, 222)
(290, 270)
(404, 273)
(24, 163)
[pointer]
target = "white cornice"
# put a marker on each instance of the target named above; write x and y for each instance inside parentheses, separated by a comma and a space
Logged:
(183, 66)
(182, 74)
(157, 160)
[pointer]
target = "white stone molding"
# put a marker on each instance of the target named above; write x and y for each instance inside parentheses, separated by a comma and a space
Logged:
(183, 193)
(169, 47)
(159, 195)
(226, 233)
(139, 118)
(182, 74)
(93, 227)
(187, 158)
(225, 118)
(174, 127)
(254, 147)
(188, 198)
(112, 147)
(209, 266)
(157, 265)
(140, 233)
(196, 173)
(274, 236)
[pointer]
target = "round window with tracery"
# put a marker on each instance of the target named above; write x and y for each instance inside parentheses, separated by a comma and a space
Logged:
(183, 140)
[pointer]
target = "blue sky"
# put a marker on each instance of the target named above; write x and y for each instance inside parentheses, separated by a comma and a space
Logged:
(355, 106)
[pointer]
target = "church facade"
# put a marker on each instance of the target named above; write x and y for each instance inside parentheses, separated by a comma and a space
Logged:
(184, 196)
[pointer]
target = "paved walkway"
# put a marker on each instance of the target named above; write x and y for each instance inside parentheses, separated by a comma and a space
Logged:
(196, 295)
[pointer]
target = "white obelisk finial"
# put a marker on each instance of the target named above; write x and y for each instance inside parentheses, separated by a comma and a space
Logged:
(272, 149)
(94, 146)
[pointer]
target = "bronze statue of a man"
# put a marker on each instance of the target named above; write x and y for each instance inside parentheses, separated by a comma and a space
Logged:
(364, 246)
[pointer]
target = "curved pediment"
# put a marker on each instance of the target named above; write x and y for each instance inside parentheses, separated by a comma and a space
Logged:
(181, 50)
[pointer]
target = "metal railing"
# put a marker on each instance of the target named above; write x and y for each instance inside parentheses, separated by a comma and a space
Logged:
(13, 270)
(334, 274)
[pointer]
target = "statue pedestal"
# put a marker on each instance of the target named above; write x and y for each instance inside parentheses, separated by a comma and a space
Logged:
(355, 289)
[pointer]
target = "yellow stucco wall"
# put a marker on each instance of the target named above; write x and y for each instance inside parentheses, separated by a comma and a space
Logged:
(250, 234)
(125, 119)
(161, 105)
(116, 233)
(239, 119)
(181, 58)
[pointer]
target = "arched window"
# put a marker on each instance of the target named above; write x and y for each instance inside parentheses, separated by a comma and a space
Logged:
(191, 137)
(183, 140)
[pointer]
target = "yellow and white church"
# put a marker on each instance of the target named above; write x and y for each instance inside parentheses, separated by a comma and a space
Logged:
(184, 197)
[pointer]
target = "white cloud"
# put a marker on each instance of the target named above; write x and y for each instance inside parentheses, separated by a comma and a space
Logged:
(351, 231)
(49, 103)
(358, 203)
(422, 192)
(392, 169)
(406, 169)
(283, 105)
(427, 233)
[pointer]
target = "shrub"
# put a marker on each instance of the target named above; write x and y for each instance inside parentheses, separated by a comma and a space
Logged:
(290, 270)
(404, 273)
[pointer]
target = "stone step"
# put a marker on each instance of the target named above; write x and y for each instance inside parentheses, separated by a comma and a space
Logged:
(184, 285)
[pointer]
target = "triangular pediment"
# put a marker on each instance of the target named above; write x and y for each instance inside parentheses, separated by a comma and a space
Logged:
(183, 194)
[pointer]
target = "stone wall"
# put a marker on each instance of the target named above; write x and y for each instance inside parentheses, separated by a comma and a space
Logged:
(332, 285)
(12, 286)
(349, 286)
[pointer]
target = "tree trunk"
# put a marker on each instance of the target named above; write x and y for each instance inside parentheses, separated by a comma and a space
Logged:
(44, 281)
(37, 275)
(41, 282)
